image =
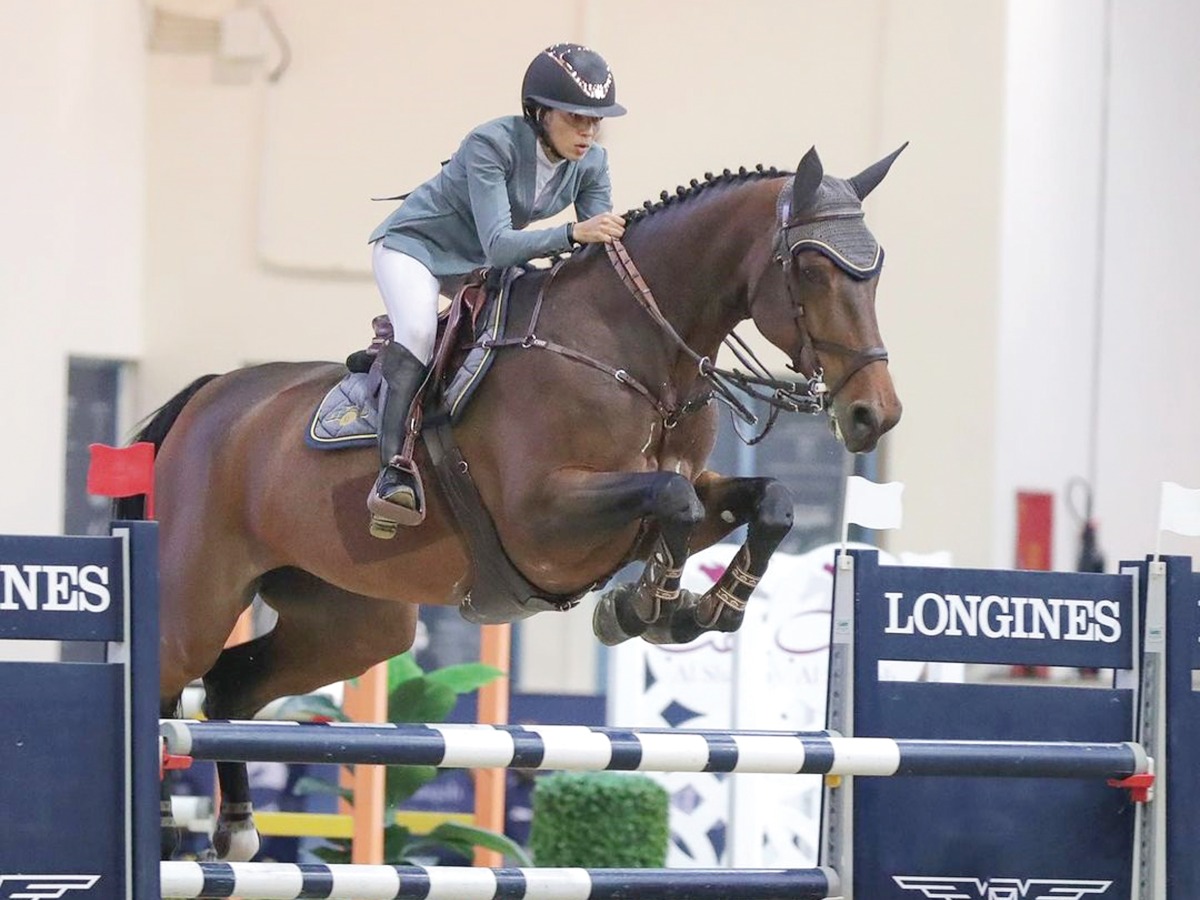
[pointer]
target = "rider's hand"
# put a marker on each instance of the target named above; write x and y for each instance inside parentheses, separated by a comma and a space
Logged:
(601, 229)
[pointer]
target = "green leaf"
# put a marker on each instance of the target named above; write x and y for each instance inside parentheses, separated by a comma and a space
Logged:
(424, 847)
(308, 785)
(420, 700)
(401, 669)
(465, 677)
(404, 781)
(333, 852)
(457, 833)
(396, 838)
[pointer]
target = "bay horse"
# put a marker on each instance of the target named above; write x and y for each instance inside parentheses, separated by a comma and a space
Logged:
(586, 459)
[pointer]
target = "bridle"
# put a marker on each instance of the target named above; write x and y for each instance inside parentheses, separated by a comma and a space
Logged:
(725, 384)
(813, 395)
(807, 358)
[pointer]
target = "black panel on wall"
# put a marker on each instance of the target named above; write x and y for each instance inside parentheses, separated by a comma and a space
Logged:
(93, 392)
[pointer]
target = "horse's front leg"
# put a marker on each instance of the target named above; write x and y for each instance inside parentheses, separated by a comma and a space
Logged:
(590, 503)
(766, 506)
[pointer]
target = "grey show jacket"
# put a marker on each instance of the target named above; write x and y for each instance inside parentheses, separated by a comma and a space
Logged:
(470, 213)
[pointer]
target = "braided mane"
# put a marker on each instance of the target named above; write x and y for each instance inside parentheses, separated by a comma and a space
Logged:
(695, 187)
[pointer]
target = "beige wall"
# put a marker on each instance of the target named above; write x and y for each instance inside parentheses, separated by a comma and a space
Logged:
(181, 210)
(259, 208)
(275, 179)
(71, 235)
(942, 88)
(71, 183)
(1096, 341)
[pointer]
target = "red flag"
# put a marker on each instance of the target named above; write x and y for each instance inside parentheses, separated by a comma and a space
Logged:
(123, 472)
(1035, 530)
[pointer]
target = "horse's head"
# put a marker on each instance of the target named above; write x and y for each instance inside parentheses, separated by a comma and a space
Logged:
(824, 315)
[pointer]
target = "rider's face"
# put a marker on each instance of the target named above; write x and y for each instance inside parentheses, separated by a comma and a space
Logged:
(570, 135)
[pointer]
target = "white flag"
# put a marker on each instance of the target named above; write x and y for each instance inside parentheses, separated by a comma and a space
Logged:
(873, 505)
(1180, 510)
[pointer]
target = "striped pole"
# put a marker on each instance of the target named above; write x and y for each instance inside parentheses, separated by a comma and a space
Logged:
(580, 748)
(286, 881)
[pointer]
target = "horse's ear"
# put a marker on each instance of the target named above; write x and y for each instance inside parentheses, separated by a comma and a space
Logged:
(868, 179)
(808, 178)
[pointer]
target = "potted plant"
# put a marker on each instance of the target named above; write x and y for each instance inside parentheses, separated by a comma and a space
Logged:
(417, 696)
(629, 817)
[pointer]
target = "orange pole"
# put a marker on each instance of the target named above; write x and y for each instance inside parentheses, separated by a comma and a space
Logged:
(495, 650)
(366, 701)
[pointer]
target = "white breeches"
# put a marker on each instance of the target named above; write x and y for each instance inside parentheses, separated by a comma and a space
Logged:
(410, 295)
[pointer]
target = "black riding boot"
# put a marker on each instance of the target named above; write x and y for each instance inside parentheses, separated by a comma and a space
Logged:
(396, 497)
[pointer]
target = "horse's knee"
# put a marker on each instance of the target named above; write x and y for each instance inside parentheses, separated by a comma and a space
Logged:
(776, 508)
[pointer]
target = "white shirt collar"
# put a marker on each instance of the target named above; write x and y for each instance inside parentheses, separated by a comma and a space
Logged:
(545, 171)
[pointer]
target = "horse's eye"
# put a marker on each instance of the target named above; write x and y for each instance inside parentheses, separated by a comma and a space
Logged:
(811, 274)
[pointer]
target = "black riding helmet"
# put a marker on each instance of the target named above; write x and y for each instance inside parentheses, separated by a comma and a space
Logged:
(572, 78)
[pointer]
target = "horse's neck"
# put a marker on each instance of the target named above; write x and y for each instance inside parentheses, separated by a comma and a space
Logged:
(699, 261)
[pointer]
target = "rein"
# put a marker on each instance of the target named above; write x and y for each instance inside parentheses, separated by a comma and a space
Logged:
(670, 415)
(781, 396)
(729, 386)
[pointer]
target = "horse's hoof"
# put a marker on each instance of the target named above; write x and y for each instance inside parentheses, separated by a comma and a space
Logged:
(680, 626)
(235, 844)
(614, 621)
(604, 623)
(673, 632)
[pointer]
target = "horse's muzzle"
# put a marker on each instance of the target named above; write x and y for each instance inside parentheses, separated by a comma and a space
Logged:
(861, 423)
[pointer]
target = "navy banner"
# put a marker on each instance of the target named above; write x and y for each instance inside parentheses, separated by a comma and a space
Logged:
(56, 589)
(78, 751)
(978, 836)
(993, 616)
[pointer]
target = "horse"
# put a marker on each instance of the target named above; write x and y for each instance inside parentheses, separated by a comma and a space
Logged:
(586, 441)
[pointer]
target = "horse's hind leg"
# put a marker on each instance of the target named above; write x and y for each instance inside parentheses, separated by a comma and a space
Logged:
(767, 506)
(323, 635)
(235, 837)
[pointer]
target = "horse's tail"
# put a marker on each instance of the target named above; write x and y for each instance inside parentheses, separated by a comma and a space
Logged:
(154, 430)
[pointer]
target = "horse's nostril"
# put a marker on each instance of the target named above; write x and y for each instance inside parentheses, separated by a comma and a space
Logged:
(863, 419)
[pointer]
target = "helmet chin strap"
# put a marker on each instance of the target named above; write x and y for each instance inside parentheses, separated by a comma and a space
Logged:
(533, 115)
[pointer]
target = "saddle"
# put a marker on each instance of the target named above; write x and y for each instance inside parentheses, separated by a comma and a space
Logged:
(468, 332)
(347, 415)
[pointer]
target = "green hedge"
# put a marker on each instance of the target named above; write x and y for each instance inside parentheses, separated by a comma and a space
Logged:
(599, 820)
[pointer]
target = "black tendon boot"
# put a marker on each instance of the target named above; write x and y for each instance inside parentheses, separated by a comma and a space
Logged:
(397, 497)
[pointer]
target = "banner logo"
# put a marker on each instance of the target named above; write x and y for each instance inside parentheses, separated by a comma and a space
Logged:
(44, 887)
(935, 888)
(993, 616)
(54, 588)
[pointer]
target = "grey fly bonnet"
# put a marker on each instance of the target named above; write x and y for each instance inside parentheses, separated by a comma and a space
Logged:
(823, 213)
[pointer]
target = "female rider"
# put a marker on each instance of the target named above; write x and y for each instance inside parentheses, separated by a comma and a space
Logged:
(507, 173)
